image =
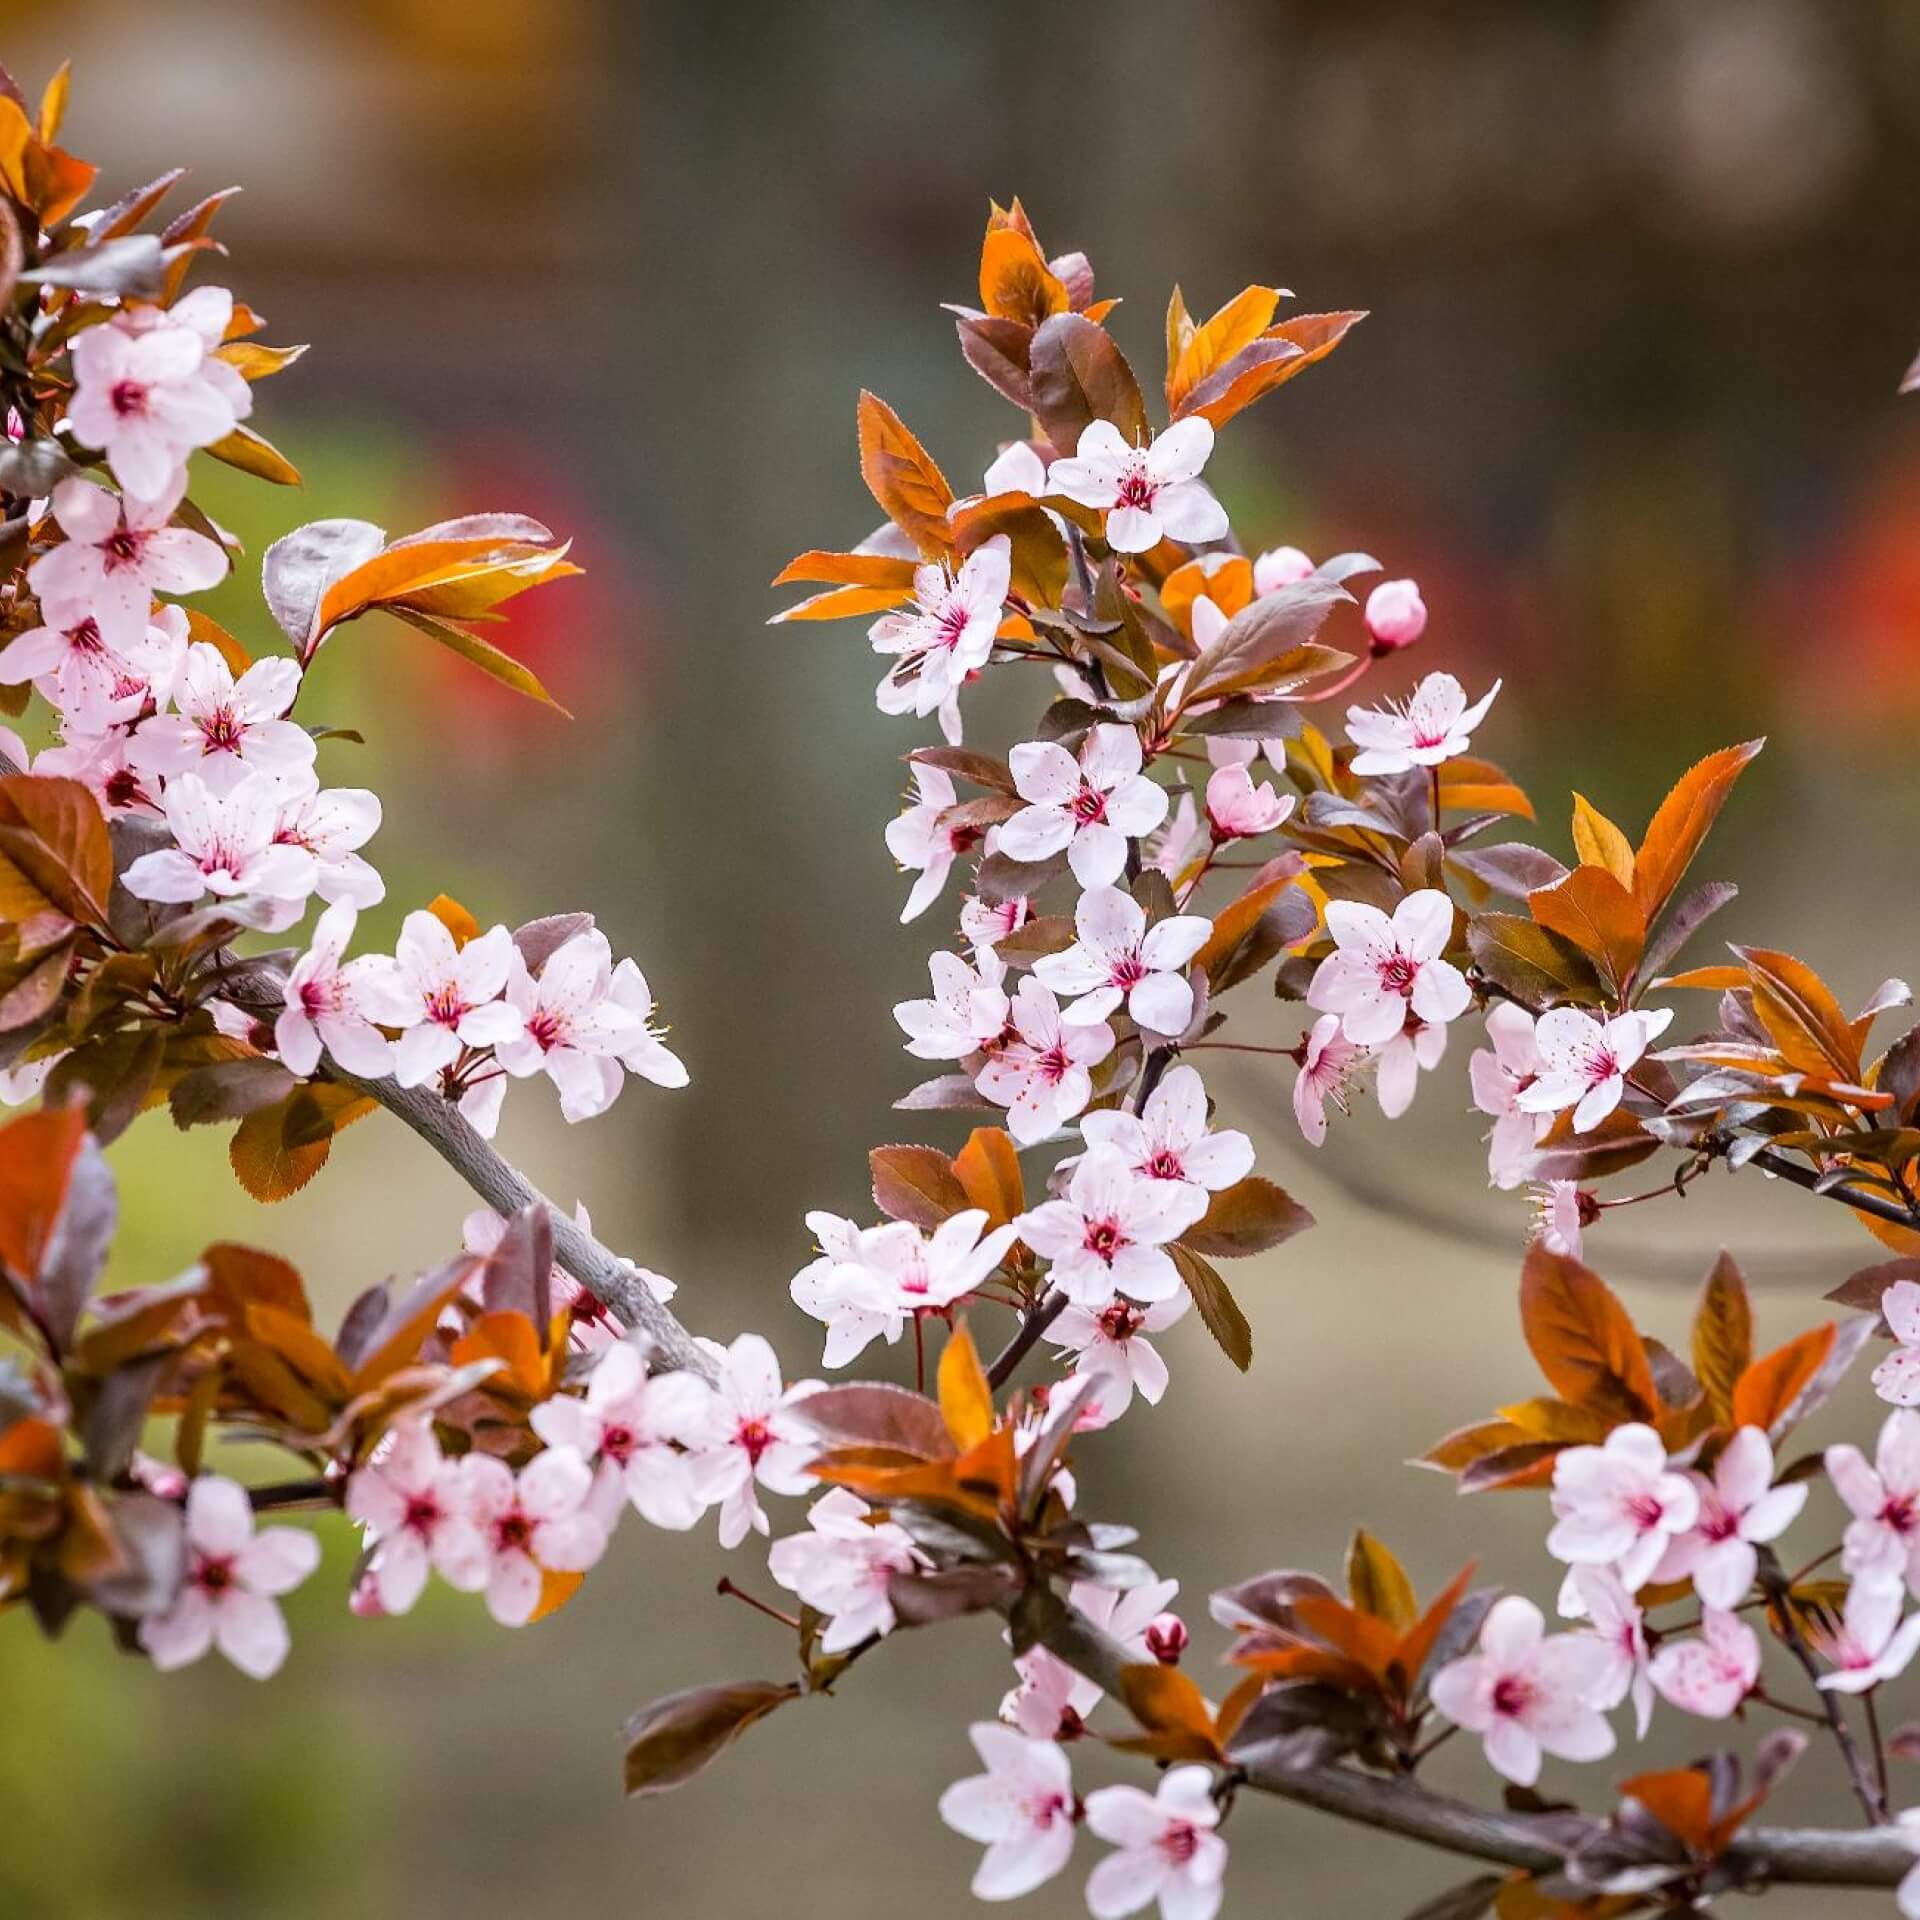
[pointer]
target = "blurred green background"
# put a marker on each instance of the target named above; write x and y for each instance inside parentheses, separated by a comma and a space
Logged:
(1643, 277)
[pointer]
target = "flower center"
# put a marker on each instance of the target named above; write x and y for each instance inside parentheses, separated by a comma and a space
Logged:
(512, 1532)
(1180, 1842)
(618, 1442)
(755, 1437)
(318, 997)
(1053, 1065)
(1165, 1165)
(1089, 805)
(1135, 487)
(547, 1030)
(1121, 1321)
(1512, 1694)
(1602, 1065)
(213, 1575)
(129, 399)
(121, 547)
(445, 1007)
(423, 1514)
(950, 626)
(1128, 972)
(1898, 1513)
(85, 638)
(1104, 1238)
(1398, 973)
(222, 731)
(1644, 1511)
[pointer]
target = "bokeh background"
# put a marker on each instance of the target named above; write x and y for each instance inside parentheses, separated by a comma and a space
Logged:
(1643, 279)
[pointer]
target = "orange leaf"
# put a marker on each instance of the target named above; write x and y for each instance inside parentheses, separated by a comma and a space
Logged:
(1593, 910)
(455, 918)
(1377, 1583)
(1600, 843)
(848, 570)
(512, 1339)
(966, 1400)
(1172, 1709)
(556, 1589)
(1015, 281)
(1713, 979)
(1800, 1014)
(842, 603)
(1236, 326)
(988, 1169)
(1771, 1385)
(1681, 822)
(1722, 1336)
(1582, 1337)
(1472, 785)
(1682, 1801)
(1235, 921)
(900, 474)
(1420, 1640)
(36, 1160)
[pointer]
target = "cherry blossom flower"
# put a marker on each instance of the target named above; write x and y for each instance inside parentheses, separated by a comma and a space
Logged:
(100, 762)
(1089, 807)
(1041, 1076)
(146, 395)
(1053, 1700)
(1417, 1048)
(922, 845)
(896, 1270)
(1381, 967)
(570, 1028)
(627, 1426)
(1021, 1810)
(1168, 1638)
(1238, 810)
(234, 1575)
(411, 1499)
(844, 1568)
(1619, 1626)
(224, 846)
(969, 1008)
(1167, 1848)
(117, 555)
(1527, 1694)
(1120, 960)
(1169, 850)
(641, 1049)
(1148, 493)
(1108, 1235)
(1396, 617)
(444, 997)
(537, 1521)
(984, 923)
(333, 824)
(1740, 1508)
(1872, 1644)
(1169, 1140)
(1897, 1378)
(1109, 1343)
(227, 728)
(949, 633)
(95, 686)
(1279, 567)
(1329, 1064)
(750, 1438)
(1709, 1676)
(1498, 1078)
(1884, 1500)
(322, 1007)
(1618, 1505)
(1019, 468)
(1561, 1212)
(1432, 725)
(835, 1290)
(1583, 1064)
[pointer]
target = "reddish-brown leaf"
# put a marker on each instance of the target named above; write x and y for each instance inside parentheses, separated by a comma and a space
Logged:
(1771, 1384)
(1681, 822)
(901, 475)
(1583, 1338)
(1593, 910)
(1722, 1336)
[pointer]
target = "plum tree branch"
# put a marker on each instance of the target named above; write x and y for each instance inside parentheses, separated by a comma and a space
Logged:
(1793, 1856)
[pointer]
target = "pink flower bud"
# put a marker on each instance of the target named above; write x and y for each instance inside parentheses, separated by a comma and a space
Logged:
(1396, 615)
(364, 1601)
(1279, 567)
(1167, 1639)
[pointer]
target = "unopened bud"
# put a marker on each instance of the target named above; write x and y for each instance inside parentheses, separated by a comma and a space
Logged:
(1167, 1639)
(1279, 567)
(1396, 615)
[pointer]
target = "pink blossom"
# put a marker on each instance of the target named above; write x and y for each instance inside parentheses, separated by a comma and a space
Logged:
(983, 923)
(1330, 1062)
(322, 1007)
(750, 1438)
(444, 997)
(1148, 493)
(117, 554)
(1119, 960)
(836, 1290)
(1872, 1643)
(1383, 967)
(1019, 468)
(1498, 1078)
(1884, 1500)
(627, 1426)
(1396, 617)
(947, 635)
(95, 686)
(1238, 810)
(99, 761)
(1052, 1700)
(1740, 1508)
(844, 1568)
(1619, 1505)
(148, 389)
(224, 846)
(1619, 1626)
(1169, 850)
(1169, 1138)
(1109, 1343)
(1897, 1378)
(1279, 567)
(1021, 1810)
(411, 1499)
(969, 1008)
(1561, 1210)
(1526, 1694)
(333, 824)
(1712, 1675)
(1583, 1063)
(1168, 1638)
(640, 1049)
(1108, 1235)
(570, 1028)
(1417, 1048)
(1430, 726)
(227, 728)
(1166, 1848)
(1088, 807)
(234, 1575)
(897, 1270)
(922, 844)
(1041, 1075)
(532, 1523)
